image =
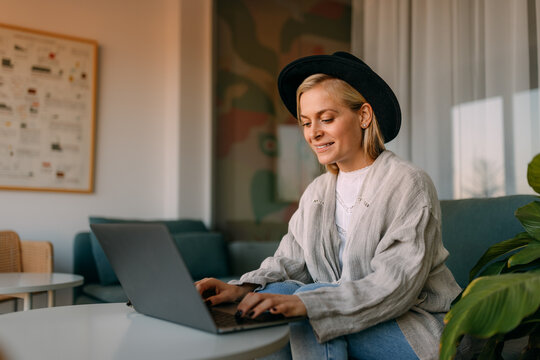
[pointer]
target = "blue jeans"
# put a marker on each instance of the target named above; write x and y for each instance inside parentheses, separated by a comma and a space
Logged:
(382, 341)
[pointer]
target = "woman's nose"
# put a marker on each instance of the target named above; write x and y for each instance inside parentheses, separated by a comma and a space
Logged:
(316, 131)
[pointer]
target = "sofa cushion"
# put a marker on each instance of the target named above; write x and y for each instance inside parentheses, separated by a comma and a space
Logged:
(470, 226)
(246, 256)
(104, 269)
(205, 253)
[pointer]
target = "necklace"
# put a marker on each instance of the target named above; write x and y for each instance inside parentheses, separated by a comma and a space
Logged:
(348, 209)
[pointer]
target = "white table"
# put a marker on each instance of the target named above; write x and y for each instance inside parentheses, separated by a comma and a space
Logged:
(28, 283)
(115, 331)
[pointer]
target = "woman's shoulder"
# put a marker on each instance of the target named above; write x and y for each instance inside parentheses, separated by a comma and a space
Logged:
(390, 165)
(322, 180)
(319, 186)
(396, 174)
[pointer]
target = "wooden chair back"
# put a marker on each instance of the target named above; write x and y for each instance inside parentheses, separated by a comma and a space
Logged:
(10, 252)
(23, 256)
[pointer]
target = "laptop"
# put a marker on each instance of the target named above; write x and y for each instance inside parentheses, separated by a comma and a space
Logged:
(157, 282)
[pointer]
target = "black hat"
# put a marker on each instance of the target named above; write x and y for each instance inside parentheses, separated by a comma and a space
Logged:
(356, 73)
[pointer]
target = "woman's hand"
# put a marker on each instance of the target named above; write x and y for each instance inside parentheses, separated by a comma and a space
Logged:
(215, 291)
(255, 304)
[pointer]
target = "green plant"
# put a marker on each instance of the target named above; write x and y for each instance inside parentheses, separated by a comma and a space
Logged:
(502, 301)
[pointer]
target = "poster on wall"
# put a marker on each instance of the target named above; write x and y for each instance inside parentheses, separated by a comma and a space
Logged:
(47, 111)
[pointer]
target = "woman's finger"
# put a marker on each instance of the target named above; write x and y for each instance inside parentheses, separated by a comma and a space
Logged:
(287, 309)
(256, 303)
(265, 304)
(249, 302)
(204, 284)
(221, 297)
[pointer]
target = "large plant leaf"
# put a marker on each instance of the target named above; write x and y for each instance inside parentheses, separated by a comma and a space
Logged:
(533, 173)
(530, 253)
(490, 305)
(494, 268)
(529, 216)
(522, 268)
(499, 249)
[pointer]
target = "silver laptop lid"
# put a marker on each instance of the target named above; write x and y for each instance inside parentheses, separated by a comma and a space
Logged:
(153, 274)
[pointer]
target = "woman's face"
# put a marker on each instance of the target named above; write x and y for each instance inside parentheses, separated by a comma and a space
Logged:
(332, 130)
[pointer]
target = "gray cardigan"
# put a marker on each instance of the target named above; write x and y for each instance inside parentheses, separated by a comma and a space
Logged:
(393, 260)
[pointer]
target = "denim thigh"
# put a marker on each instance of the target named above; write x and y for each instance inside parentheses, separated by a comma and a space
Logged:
(382, 341)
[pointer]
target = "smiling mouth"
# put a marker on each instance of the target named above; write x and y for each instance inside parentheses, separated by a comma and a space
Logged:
(321, 148)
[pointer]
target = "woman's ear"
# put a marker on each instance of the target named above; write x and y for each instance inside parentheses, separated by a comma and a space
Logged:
(365, 114)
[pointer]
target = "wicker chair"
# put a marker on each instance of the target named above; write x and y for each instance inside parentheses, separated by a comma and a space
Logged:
(23, 256)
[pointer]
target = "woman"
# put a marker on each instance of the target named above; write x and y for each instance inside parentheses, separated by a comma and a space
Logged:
(363, 258)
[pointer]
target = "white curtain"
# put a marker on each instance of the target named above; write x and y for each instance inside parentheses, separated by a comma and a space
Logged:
(466, 75)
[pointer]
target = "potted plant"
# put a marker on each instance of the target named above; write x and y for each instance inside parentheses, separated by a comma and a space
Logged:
(502, 300)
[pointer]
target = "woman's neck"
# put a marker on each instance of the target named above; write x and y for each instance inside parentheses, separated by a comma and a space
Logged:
(361, 162)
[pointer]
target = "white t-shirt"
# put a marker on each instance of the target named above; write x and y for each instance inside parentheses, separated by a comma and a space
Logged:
(347, 188)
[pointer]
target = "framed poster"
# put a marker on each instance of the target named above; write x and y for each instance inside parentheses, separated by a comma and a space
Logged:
(47, 111)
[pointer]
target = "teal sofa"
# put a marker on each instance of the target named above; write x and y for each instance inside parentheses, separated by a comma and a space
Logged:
(205, 252)
(469, 227)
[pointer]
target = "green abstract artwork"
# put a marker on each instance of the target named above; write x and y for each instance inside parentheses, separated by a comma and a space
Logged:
(255, 39)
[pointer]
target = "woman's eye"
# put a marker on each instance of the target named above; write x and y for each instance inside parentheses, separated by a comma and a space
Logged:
(306, 124)
(326, 120)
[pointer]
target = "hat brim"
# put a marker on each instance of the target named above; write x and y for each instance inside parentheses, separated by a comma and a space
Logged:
(356, 73)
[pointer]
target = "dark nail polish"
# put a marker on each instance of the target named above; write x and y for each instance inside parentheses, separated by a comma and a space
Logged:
(250, 315)
(238, 313)
(208, 303)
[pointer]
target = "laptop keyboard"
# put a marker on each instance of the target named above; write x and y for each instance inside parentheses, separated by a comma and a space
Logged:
(224, 319)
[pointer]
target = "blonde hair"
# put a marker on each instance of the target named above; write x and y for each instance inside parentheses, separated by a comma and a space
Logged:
(372, 141)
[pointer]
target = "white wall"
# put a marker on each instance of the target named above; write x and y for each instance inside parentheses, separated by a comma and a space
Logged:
(145, 110)
(196, 109)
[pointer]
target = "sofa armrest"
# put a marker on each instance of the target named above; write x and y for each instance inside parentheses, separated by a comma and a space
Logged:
(83, 258)
(83, 263)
